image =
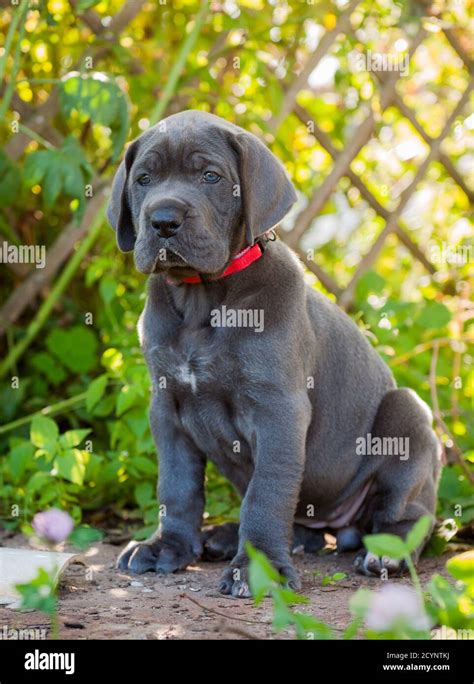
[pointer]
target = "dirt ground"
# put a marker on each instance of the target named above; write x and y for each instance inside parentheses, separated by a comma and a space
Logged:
(98, 602)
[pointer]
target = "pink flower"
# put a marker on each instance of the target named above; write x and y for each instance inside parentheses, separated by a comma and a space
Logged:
(54, 525)
(396, 606)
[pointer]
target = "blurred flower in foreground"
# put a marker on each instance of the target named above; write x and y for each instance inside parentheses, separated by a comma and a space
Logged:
(396, 606)
(54, 525)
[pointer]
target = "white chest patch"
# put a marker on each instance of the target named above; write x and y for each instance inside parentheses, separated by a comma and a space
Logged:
(186, 376)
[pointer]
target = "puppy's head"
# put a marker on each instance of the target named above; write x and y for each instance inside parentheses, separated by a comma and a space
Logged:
(194, 190)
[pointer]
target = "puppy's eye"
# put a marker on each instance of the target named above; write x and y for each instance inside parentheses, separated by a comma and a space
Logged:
(210, 177)
(144, 179)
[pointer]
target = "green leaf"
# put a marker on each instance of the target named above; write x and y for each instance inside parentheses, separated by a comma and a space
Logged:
(282, 615)
(36, 166)
(434, 315)
(144, 465)
(461, 567)
(126, 398)
(70, 465)
(97, 97)
(18, 459)
(95, 391)
(262, 575)
(448, 604)
(83, 536)
(52, 185)
(332, 579)
(73, 438)
(144, 494)
(44, 432)
(39, 593)
(49, 366)
(38, 481)
(76, 348)
(386, 545)
(418, 533)
(359, 602)
(107, 289)
(368, 283)
(61, 171)
(307, 627)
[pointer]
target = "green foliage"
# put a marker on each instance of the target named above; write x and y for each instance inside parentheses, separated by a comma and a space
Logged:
(83, 536)
(39, 594)
(333, 579)
(443, 604)
(453, 605)
(62, 172)
(97, 98)
(265, 581)
(75, 348)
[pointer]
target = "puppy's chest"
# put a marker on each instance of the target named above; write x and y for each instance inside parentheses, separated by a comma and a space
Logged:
(199, 373)
(191, 364)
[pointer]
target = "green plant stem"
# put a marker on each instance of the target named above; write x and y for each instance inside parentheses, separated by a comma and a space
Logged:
(17, 16)
(51, 410)
(10, 89)
(59, 287)
(178, 66)
(8, 231)
(35, 136)
(54, 626)
(414, 576)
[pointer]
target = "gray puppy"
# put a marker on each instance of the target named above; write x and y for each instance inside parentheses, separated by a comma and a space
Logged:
(254, 370)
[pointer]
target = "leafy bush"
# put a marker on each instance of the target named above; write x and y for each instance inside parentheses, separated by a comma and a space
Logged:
(392, 612)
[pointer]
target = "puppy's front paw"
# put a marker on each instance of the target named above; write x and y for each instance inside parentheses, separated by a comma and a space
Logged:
(155, 555)
(370, 565)
(234, 579)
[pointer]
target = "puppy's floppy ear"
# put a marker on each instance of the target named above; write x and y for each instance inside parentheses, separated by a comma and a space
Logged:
(266, 190)
(118, 210)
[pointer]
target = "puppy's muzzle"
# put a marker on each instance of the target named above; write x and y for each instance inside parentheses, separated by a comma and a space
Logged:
(167, 219)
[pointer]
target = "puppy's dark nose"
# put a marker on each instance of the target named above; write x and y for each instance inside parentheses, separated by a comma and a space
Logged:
(167, 220)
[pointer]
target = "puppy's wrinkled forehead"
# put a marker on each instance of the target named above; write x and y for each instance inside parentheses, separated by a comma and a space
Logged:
(181, 147)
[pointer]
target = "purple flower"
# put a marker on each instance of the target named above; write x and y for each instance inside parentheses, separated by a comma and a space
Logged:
(396, 606)
(54, 525)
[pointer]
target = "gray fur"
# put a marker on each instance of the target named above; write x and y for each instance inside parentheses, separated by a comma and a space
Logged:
(294, 398)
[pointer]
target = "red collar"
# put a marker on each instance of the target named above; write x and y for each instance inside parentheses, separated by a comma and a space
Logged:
(241, 260)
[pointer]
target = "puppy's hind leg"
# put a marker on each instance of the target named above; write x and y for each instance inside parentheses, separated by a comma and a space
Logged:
(407, 478)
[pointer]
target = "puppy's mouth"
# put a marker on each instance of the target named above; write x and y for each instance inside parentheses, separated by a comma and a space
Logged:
(177, 258)
(175, 265)
(173, 260)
